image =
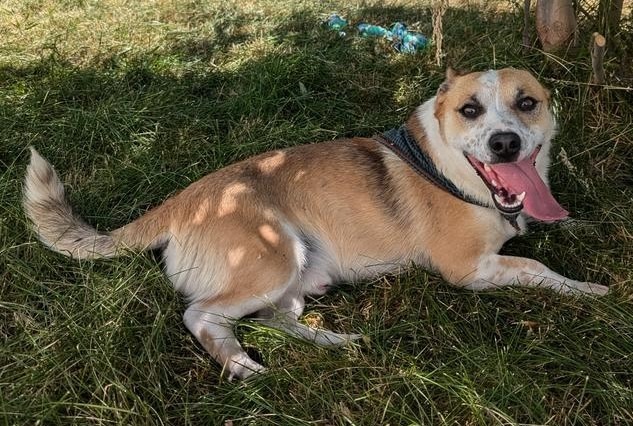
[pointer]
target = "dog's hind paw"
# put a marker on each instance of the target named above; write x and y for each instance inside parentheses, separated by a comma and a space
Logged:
(589, 288)
(243, 367)
(597, 289)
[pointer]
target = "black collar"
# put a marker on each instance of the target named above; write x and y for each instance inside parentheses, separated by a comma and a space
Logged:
(400, 142)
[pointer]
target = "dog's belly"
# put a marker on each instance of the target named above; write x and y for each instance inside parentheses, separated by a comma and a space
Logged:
(343, 260)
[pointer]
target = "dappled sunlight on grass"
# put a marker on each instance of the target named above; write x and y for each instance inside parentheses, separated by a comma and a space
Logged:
(131, 103)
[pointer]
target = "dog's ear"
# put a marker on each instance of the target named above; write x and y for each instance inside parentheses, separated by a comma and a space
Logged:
(450, 76)
(451, 73)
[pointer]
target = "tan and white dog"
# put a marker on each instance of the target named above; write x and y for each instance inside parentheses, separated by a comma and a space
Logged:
(258, 236)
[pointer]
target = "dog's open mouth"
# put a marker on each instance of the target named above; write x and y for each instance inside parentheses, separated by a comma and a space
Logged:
(517, 186)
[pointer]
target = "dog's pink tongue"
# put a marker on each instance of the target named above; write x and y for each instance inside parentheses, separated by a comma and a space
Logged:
(539, 201)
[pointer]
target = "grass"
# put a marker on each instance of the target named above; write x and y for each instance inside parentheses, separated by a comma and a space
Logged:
(133, 102)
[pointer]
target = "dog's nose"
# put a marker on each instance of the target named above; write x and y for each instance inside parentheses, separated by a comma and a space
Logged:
(505, 145)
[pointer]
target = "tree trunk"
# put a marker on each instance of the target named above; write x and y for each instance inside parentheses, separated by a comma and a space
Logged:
(555, 24)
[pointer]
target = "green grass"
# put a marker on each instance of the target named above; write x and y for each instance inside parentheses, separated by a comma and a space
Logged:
(132, 103)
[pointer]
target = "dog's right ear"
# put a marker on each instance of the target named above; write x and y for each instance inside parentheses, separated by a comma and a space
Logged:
(450, 76)
(451, 73)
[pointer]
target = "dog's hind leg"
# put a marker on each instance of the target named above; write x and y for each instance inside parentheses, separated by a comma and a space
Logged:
(228, 272)
(213, 327)
(250, 289)
(497, 271)
(321, 337)
(284, 316)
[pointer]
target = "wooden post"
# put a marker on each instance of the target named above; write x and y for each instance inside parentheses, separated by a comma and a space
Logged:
(555, 24)
(597, 58)
(438, 13)
(526, 24)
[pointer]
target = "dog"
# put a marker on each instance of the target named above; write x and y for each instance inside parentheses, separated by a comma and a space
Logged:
(445, 191)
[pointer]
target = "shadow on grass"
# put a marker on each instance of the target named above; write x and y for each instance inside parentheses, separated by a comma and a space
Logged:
(345, 79)
(127, 121)
(168, 117)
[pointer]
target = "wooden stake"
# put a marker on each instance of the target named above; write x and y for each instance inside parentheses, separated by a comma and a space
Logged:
(597, 58)
(526, 24)
(438, 13)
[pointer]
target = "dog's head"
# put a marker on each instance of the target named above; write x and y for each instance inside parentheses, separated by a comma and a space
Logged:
(500, 121)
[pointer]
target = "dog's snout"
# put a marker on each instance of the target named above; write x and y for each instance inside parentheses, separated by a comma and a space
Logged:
(505, 146)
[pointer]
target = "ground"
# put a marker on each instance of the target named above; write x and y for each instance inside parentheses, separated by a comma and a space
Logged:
(133, 102)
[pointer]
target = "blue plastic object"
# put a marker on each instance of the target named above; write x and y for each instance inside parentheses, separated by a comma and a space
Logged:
(402, 40)
(412, 42)
(337, 23)
(372, 30)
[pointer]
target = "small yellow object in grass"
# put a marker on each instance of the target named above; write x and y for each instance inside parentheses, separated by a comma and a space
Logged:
(313, 320)
(531, 326)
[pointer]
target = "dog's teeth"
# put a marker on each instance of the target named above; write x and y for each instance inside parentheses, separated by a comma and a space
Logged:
(487, 168)
(494, 183)
(521, 197)
(501, 200)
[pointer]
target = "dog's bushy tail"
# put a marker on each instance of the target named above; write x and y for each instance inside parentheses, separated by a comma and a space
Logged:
(66, 233)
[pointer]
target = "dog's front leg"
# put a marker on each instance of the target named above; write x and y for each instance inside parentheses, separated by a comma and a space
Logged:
(498, 271)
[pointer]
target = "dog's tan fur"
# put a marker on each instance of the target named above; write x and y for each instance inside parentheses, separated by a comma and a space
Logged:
(259, 235)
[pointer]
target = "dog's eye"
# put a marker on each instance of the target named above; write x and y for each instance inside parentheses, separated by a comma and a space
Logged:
(471, 111)
(526, 104)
